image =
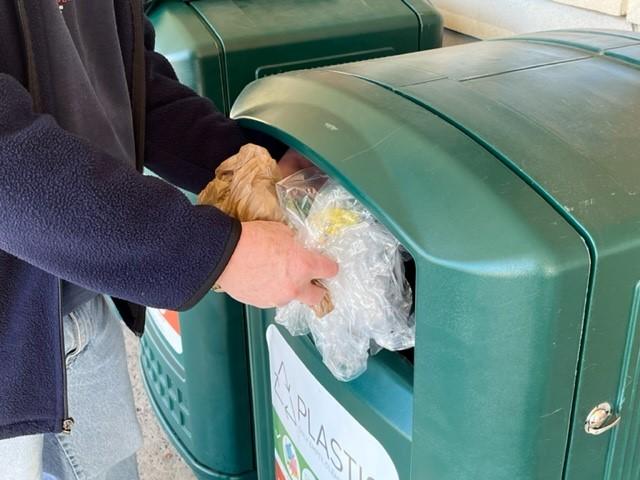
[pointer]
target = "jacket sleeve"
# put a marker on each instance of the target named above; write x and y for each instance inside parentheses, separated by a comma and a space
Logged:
(84, 216)
(186, 136)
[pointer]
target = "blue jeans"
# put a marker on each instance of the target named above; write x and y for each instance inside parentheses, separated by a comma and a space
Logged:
(106, 434)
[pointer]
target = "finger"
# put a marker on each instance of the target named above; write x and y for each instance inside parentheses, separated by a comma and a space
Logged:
(321, 266)
(286, 169)
(311, 295)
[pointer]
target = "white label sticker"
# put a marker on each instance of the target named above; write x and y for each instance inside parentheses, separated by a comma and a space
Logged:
(315, 437)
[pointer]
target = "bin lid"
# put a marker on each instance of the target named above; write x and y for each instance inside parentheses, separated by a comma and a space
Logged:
(558, 111)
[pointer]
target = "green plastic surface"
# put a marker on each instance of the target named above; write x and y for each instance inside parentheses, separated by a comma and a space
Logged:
(550, 123)
(202, 394)
(430, 31)
(510, 170)
(187, 43)
(501, 278)
(219, 46)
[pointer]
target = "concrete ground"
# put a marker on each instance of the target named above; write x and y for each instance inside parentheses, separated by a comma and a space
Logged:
(157, 460)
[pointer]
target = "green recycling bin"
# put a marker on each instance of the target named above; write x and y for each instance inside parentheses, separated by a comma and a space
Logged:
(219, 46)
(510, 170)
(194, 363)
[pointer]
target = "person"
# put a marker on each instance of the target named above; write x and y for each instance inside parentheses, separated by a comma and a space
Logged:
(85, 102)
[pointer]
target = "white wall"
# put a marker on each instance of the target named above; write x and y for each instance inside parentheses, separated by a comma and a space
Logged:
(499, 18)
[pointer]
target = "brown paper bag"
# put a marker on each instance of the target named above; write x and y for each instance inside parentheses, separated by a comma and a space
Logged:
(245, 186)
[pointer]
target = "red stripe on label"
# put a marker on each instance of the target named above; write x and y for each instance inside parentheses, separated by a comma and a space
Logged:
(173, 319)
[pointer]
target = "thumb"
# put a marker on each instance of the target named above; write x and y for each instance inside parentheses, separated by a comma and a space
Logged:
(321, 266)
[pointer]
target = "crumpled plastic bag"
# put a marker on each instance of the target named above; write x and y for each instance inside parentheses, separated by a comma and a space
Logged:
(371, 296)
(245, 188)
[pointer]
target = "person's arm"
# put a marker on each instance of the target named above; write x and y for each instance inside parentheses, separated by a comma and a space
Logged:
(74, 211)
(84, 216)
(186, 136)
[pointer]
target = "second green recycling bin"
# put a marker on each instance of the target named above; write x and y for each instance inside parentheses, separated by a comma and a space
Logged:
(195, 363)
(219, 46)
(510, 170)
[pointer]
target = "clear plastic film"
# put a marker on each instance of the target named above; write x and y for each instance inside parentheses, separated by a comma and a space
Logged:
(370, 295)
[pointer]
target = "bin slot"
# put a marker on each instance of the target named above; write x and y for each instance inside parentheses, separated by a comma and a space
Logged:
(410, 275)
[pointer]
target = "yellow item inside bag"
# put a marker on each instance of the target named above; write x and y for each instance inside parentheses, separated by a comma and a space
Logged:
(332, 221)
(244, 187)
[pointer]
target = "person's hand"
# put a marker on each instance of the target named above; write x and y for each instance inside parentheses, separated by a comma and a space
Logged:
(291, 162)
(270, 268)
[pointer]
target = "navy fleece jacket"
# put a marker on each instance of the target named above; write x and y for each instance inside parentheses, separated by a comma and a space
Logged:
(70, 211)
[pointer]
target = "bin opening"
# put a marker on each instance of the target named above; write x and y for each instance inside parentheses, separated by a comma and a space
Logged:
(368, 304)
(410, 275)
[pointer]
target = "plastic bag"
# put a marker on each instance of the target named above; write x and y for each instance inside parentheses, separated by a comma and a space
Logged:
(371, 297)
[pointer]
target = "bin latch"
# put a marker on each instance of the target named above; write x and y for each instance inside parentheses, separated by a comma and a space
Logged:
(601, 419)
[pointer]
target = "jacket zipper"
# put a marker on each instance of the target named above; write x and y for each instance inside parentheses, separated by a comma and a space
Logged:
(34, 90)
(67, 421)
